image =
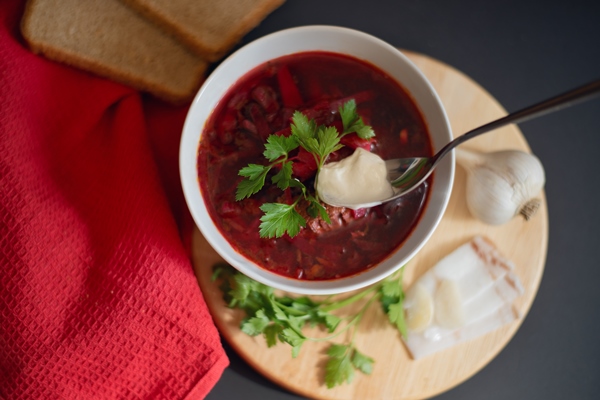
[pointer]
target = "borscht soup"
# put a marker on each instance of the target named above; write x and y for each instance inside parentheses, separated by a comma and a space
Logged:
(261, 104)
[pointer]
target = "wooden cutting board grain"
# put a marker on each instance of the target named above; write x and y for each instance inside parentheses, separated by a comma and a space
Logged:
(395, 375)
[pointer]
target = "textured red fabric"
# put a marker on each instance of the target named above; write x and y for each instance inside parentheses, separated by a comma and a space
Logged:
(97, 295)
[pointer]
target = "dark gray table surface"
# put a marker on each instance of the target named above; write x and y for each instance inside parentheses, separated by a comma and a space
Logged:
(521, 51)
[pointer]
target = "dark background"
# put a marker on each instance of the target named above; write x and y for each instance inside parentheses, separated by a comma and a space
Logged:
(521, 52)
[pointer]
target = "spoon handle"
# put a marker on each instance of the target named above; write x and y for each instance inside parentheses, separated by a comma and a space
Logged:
(555, 103)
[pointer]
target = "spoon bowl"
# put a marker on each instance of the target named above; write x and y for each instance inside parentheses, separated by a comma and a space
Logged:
(406, 174)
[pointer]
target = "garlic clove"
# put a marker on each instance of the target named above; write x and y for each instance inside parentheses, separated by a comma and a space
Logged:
(418, 308)
(502, 184)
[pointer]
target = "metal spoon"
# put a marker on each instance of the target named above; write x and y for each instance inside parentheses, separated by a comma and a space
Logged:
(406, 174)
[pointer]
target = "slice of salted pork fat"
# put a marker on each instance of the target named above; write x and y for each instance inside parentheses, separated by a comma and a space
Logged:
(465, 295)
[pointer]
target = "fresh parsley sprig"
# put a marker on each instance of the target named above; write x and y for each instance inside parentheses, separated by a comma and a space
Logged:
(276, 151)
(343, 360)
(353, 122)
(320, 141)
(282, 318)
(279, 219)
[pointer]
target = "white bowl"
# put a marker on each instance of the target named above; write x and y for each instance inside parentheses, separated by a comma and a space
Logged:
(317, 38)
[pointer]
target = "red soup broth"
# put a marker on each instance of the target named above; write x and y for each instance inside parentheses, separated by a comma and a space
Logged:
(261, 103)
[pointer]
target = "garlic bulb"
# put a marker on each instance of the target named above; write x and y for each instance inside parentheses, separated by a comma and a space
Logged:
(502, 184)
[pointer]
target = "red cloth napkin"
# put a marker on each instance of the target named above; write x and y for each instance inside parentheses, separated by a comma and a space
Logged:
(97, 294)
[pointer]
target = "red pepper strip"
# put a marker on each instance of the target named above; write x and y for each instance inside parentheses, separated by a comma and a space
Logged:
(353, 141)
(304, 165)
(288, 89)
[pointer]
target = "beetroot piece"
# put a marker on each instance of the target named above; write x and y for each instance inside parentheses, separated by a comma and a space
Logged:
(238, 100)
(249, 126)
(266, 97)
(259, 120)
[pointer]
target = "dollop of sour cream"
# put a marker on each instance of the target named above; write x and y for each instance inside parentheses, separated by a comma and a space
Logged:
(358, 179)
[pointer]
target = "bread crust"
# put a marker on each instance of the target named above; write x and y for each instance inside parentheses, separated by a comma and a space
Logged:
(55, 50)
(209, 50)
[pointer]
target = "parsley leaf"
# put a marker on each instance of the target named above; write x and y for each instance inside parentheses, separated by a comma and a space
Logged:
(330, 321)
(362, 362)
(337, 350)
(328, 141)
(279, 219)
(271, 332)
(303, 128)
(363, 131)
(254, 171)
(279, 146)
(278, 313)
(257, 324)
(392, 298)
(348, 114)
(339, 368)
(241, 288)
(283, 179)
(255, 179)
(391, 289)
(291, 337)
(296, 350)
(353, 122)
(396, 316)
(315, 209)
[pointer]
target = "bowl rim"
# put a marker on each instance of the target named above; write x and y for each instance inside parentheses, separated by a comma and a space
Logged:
(194, 125)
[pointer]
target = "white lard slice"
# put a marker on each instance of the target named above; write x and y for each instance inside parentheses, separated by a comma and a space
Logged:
(473, 290)
(438, 339)
(357, 179)
(419, 308)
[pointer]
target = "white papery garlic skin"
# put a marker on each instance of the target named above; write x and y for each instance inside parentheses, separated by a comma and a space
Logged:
(502, 184)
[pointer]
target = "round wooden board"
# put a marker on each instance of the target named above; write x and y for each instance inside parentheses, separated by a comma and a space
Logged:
(395, 374)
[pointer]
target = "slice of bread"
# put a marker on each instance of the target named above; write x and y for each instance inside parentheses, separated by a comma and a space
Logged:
(108, 38)
(209, 27)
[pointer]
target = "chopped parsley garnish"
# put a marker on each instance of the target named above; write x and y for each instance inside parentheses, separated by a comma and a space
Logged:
(320, 141)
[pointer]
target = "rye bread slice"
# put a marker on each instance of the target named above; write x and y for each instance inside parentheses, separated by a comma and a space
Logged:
(109, 39)
(209, 27)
